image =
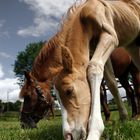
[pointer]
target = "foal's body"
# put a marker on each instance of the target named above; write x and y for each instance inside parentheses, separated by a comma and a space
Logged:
(107, 24)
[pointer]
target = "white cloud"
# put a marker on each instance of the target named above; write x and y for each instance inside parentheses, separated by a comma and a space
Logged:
(5, 55)
(9, 89)
(47, 16)
(1, 71)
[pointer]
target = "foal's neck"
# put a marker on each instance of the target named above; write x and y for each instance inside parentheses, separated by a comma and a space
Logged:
(78, 42)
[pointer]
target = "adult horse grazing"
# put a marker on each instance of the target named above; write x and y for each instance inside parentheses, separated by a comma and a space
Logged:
(65, 60)
(37, 102)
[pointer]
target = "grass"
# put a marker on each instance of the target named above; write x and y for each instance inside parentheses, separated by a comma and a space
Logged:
(117, 130)
(9, 130)
(52, 129)
(47, 130)
(129, 130)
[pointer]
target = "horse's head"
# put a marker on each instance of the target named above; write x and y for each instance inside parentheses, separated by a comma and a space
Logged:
(74, 95)
(37, 100)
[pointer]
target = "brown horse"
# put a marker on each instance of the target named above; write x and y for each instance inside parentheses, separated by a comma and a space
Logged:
(65, 60)
(124, 77)
(122, 68)
(37, 102)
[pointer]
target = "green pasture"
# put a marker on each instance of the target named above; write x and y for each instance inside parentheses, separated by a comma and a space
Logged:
(52, 129)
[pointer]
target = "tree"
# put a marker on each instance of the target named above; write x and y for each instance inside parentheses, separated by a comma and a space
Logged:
(10, 106)
(24, 60)
(1, 107)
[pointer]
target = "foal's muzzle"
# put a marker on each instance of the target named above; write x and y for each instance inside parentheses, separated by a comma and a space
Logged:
(75, 135)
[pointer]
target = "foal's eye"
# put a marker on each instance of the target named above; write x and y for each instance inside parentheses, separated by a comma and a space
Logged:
(69, 92)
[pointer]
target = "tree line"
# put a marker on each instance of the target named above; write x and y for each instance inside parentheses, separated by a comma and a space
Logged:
(25, 59)
(9, 106)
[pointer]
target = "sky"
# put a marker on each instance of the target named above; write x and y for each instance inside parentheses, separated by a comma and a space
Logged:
(23, 22)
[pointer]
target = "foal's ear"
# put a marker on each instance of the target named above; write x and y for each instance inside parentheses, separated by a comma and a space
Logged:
(27, 76)
(67, 59)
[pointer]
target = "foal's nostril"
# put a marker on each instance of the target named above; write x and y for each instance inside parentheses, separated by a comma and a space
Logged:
(68, 136)
(83, 135)
(79, 134)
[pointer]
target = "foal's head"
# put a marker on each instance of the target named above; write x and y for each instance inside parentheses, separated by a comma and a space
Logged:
(37, 101)
(74, 95)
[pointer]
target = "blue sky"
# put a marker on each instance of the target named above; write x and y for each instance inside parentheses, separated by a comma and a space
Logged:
(23, 22)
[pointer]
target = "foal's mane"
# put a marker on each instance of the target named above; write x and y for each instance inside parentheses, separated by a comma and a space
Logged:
(44, 54)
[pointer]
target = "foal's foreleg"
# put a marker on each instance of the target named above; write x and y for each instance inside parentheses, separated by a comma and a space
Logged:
(95, 74)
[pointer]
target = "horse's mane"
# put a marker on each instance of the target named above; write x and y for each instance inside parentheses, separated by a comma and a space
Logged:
(68, 16)
(44, 54)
